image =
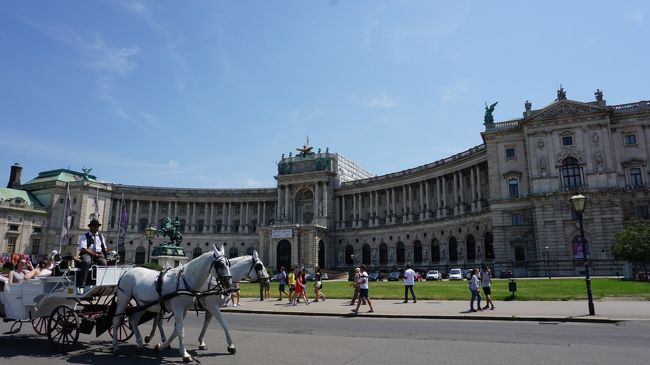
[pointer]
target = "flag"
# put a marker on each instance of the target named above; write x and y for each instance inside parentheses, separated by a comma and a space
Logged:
(124, 220)
(67, 218)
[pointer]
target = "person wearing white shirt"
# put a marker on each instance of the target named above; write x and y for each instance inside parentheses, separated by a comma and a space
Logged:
(486, 281)
(409, 281)
(473, 287)
(92, 248)
(363, 289)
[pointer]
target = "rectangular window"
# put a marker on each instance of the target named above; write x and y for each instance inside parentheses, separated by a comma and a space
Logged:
(513, 186)
(635, 177)
(11, 244)
(517, 219)
(642, 212)
(567, 141)
(37, 229)
(510, 153)
(13, 227)
(520, 253)
(36, 244)
(629, 139)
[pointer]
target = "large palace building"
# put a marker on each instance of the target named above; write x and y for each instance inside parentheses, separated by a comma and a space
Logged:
(504, 203)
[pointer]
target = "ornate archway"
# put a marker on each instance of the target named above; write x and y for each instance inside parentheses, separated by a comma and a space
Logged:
(365, 254)
(383, 254)
(401, 256)
(417, 253)
(283, 256)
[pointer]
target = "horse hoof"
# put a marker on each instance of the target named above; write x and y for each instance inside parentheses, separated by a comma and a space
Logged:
(147, 339)
(232, 350)
(203, 347)
(187, 358)
(157, 348)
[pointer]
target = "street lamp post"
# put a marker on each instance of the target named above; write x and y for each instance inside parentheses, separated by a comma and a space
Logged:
(548, 266)
(150, 233)
(578, 201)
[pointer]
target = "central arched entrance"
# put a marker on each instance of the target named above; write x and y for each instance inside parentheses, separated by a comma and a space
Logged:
(283, 257)
(321, 254)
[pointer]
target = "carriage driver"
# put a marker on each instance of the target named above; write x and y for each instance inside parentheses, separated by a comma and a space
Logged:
(92, 249)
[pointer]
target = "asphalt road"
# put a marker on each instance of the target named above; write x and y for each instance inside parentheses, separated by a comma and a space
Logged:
(278, 339)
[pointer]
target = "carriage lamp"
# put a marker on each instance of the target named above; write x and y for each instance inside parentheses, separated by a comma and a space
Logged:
(578, 201)
(150, 233)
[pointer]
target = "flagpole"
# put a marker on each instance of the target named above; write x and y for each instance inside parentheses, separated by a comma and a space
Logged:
(63, 221)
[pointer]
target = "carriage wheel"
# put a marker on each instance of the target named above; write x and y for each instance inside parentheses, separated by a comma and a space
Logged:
(40, 325)
(124, 332)
(15, 327)
(63, 329)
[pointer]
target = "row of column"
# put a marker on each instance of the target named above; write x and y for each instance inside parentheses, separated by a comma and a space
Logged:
(286, 202)
(364, 208)
(213, 220)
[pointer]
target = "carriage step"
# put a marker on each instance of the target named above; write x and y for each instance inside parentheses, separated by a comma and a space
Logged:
(86, 326)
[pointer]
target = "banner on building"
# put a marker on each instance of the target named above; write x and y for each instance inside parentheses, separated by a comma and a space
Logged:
(282, 233)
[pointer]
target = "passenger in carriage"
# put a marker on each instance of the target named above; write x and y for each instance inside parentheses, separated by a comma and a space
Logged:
(24, 271)
(43, 268)
(92, 250)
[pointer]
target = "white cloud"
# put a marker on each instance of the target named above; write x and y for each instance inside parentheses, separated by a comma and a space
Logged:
(112, 59)
(638, 17)
(173, 164)
(381, 101)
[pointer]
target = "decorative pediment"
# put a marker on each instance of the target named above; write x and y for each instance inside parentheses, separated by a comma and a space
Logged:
(569, 152)
(565, 109)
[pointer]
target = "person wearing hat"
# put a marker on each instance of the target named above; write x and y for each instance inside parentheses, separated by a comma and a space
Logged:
(92, 248)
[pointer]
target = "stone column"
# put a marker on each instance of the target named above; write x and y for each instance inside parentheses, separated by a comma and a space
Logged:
(478, 187)
(461, 181)
(137, 215)
(377, 213)
(393, 220)
(286, 204)
(345, 217)
(131, 216)
(156, 216)
(316, 210)
(278, 212)
(354, 210)
(325, 201)
(175, 208)
(242, 217)
(472, 189)
(444, 196)
(188, 224)
(410, 203)
(404, 204)
(388, 214)
(427, 200)
(193, 225)
(421, 200)
(228, 228)
(263, 223)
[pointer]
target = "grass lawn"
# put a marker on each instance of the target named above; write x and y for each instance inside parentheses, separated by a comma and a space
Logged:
(527, 289)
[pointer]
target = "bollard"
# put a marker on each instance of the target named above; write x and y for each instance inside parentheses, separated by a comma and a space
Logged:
(512, 286)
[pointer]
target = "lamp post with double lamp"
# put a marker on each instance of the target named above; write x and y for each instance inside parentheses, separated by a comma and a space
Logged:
(548, 266)
(578, 201)
(150, 233)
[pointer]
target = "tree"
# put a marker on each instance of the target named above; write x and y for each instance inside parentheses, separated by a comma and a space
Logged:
(633, 243)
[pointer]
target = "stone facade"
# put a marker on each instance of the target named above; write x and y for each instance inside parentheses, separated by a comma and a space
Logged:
(504, 203)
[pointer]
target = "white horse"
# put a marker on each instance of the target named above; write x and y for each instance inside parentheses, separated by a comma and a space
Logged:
(189, 279)
(240, 267)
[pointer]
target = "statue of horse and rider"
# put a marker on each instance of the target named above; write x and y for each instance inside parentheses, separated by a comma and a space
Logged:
(172, 230)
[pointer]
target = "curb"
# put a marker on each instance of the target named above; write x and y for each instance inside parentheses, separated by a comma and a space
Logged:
(431, 316)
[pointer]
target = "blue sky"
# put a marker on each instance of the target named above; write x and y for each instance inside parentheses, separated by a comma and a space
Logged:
(212, 93)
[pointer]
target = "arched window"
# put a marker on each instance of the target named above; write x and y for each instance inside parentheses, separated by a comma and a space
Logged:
(417, 253)
(139, 255)
(453, 249)
(470, 246)
(196, 252)
(435, 251)
(349, 251)
(383, 254)
(365, 254)
(489, 246)
(401, 257)
(513, 188)
(571, 173)
(233, 252)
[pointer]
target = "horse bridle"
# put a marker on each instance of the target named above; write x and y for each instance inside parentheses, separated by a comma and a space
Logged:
(218, 263)
(259, 268)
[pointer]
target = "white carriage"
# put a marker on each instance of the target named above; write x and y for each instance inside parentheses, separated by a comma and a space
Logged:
(54, 308)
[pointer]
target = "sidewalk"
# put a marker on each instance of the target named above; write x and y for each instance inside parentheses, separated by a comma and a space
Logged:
(607, 311)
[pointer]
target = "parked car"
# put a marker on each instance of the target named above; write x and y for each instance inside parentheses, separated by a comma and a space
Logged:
(375, 276)
(393, 276)
(433, 275)
(468, 274)
(324, 276)
(455, 274)
(506, 274)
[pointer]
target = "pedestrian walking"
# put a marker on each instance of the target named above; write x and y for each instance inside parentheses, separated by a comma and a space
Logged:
(283, 282)
(355, 285)
(486, 283)
(234, 296)
(292, 285)
(476, 293)
(318, 284)
(409, 282)
(300, 288)
(363, 290)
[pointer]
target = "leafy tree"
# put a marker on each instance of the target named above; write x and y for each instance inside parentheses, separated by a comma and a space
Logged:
(633, 243)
